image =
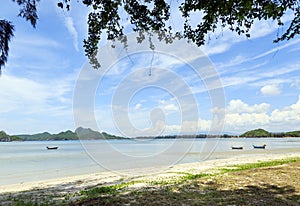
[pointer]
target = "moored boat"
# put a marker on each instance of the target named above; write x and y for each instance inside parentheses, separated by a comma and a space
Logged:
(49, 148)
(236, 147)
(259, 147)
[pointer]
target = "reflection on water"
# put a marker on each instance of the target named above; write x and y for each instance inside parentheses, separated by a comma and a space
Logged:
(31, 161)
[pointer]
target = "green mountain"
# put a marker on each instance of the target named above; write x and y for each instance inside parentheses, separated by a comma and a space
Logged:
(8, 138)
(293, 134)
(257, 133)
(87, 134)
(264, 133)
(36, 137)
(83, 133)
(67, 135)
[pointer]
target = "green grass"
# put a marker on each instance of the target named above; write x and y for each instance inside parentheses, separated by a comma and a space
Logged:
(232, 168)
(242, 167)
(107, 190)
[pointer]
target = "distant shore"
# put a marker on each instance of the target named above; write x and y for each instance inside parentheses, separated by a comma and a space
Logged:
(88, 134)
(145, 138)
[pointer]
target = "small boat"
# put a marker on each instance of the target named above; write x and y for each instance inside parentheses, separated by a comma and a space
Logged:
(259, 147)
(52, 148)
(236, 147)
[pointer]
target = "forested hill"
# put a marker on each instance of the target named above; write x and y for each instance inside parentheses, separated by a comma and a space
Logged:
(80, 133)
(7, 138)
(264, 133)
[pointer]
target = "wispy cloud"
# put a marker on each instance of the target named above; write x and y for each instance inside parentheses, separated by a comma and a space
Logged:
(28, 97)
(225, 39)
(72, 30)
(240, 59)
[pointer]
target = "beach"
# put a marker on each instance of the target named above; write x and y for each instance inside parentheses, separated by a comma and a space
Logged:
(61, 187)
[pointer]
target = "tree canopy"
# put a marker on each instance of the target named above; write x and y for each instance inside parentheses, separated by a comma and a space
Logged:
(110, 17)
(27, 11)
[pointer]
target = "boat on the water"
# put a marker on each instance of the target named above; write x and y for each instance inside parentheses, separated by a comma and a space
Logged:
(236, 147)
(52, 148)
(259, 147)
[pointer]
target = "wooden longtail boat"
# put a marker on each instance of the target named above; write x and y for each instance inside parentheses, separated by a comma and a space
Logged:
(236, 147)
(259, 147)
(49, 148)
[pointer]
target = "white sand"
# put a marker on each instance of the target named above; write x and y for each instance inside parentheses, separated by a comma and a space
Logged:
(76, 183)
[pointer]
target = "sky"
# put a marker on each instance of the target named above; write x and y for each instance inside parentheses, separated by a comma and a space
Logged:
(230, 85)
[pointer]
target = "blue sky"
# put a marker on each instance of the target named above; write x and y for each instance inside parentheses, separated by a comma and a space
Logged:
(260, 80)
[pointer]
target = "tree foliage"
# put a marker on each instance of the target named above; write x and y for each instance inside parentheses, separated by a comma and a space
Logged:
(6, 33)
(146, 16)
(154, 16)
(27, 11)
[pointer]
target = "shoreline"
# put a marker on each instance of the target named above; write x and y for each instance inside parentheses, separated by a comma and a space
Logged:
(153, 138)
(74, 184)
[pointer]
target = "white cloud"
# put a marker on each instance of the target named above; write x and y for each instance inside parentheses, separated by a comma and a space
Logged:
(272, 89)
(138, 106)
(287, 114)
(71, 28)
(238, 106)
(241, 117)
(170, 107)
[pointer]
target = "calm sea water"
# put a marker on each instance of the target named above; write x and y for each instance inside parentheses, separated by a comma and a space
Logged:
(22, 162)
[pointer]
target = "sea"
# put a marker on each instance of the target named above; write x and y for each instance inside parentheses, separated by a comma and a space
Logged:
(29, 161)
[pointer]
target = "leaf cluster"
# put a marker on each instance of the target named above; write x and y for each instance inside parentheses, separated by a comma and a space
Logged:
(28, 11)
(110, 18)
(6, 33)
(146, 16)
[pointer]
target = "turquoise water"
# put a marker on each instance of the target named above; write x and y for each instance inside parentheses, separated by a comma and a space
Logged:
(30, 161)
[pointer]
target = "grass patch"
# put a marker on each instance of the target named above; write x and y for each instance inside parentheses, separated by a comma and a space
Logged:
(195, 176)
(233, 168)
(104, 190)
(257, 165)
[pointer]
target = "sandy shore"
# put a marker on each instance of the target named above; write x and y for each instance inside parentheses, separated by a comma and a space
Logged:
(77, 183)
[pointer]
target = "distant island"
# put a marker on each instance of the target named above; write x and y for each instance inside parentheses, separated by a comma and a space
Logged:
(89, 134)
(80, 133)
(264, 133)
(8, 138)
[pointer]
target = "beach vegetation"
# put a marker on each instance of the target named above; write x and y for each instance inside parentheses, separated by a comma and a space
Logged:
(104, 190)
(242, 167)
